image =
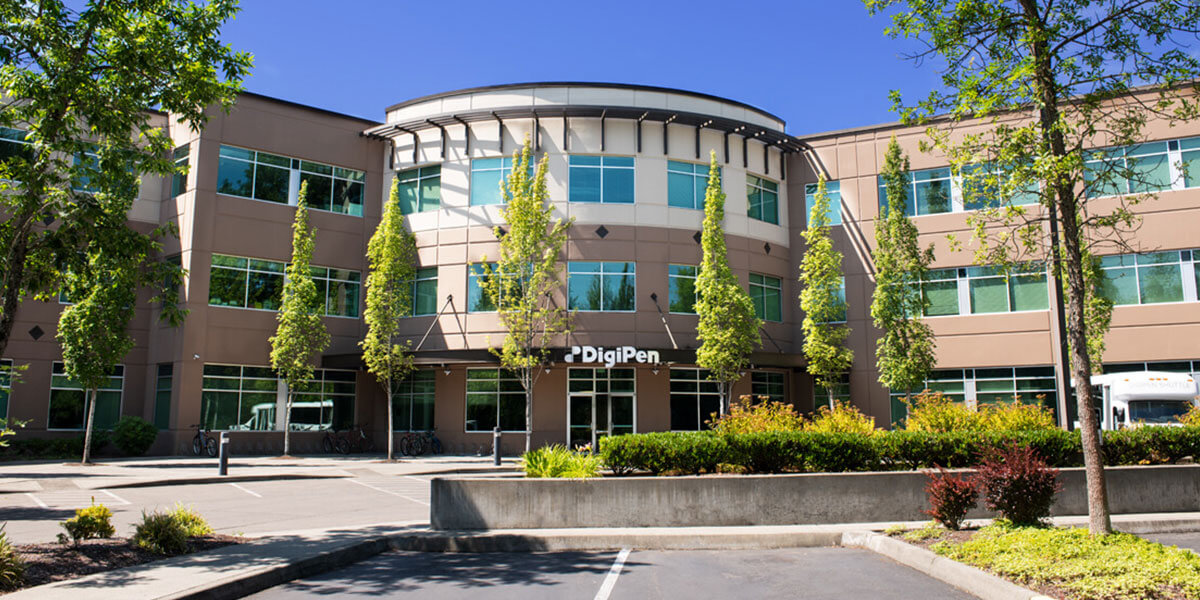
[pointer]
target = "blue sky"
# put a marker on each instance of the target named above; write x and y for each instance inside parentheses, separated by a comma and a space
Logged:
(819, 64)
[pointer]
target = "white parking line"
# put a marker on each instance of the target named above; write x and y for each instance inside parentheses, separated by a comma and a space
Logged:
(255, 494)
(116, 497)
(389, 492)
(38, 500)
(611, 580)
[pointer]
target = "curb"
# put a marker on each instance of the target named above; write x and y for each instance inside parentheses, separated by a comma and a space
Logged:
(217, 479)
(585, 540)
(964, 577)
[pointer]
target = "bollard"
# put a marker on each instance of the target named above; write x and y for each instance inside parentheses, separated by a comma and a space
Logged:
(496, 446)
(223, 460)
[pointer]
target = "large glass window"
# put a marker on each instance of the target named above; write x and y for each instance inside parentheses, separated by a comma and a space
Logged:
(163, 379)
(253, 283)
(940, 289)
(1147, 278)
(420, 189)
(6, 367)
(601, 286)
(478, 299)
(694, 399)
(238, 398)
(424, 292)
(68, 406)
(1190, 161)
(981, 186)
(930, 192)
(494, 397)
(768, 385)
(340, 288)
(1136, 169)
(614, 390)
(767, 294)
(179, 178)
(325, 401)
(487, 175)
(1031, 385)
(991, 292)
(833, 189)
(762, 197)
(263, 176)
(14, 143)
(681, 291)
(413, 400)
(687, 184)
(607, 179)
(840, 392)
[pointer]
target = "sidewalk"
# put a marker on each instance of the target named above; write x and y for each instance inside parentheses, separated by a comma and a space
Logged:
(175, 470)
(235, 571)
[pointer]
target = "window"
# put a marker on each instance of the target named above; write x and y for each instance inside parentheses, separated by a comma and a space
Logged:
(681, 291)
(420, 189)
(14, 143)
(268, 177)
(412, 402)
(940, 290)
(763, 199)
(840, 392)
(88, 164)
(1136, 169)
(833, 189)
(1189, 160)
(253, 283)
(768, 384)
(1151, 278)
(694, 399)
(179, 178)
(614, 392)
(487, 175)
(478, 299)
(601, 286)
(325, 401)
(162, 395)
(1031, 385)
(424, 292)
(991, 292)
(6, 370)
(68, 408)
(930, 192)
(1181, 366)
(840, 298)
(981, 185)
(607, 179)
(767, 294)
(495, 397)
(239, 398)
(687, 184)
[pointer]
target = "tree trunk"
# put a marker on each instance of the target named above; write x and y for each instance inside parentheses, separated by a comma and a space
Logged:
(529, 415)
(287, 424)
(12, 284)
(391, 436)
(91, 422)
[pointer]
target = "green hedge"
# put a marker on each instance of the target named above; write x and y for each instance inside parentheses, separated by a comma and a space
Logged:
(798, 451)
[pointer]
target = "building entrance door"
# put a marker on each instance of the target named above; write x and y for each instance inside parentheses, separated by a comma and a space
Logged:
(591, 416)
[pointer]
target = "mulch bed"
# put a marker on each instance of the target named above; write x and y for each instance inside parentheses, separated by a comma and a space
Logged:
(47, 563)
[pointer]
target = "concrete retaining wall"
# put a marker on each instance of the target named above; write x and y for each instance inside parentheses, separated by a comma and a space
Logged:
(809, 498)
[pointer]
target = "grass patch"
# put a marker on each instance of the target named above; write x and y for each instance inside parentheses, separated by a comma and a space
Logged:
(560, 462)
(1119, 566)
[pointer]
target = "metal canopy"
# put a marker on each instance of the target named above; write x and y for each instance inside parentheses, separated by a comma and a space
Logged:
(769, 137)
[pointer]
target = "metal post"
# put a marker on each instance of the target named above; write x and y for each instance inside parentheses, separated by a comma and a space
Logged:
(223, 460)
(496, 446)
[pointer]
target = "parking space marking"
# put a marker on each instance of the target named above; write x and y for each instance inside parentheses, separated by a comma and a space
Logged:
(75, 498)
(37, 500)
(389, 492)
(610, 580)
(255, 494)
(115, 497)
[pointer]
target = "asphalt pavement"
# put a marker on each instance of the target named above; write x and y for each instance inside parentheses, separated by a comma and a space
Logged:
(1191, 541)
(811, 573)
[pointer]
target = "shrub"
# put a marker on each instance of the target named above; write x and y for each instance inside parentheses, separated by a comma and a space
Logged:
(161, 533)
(1018, 484)
(1150, 445)
(950, 498)
(1192, 418)
(94, 521)
(1016, 416)
(661, 452)
(934, 412)
(12, 566)
(769, 452)
(745, 417)
(134, 435)
(191, 521)
(559, 461)
(843, 418)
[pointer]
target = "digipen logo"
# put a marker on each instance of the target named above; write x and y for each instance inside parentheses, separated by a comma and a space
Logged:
(610, 356)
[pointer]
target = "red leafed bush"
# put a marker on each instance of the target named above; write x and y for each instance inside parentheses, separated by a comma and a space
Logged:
(950, 497)
(1016, 482)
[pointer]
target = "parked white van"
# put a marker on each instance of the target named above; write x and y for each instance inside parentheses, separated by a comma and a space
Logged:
(1145, 397)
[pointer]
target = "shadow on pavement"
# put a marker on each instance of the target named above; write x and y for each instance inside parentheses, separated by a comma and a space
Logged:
(33, 513)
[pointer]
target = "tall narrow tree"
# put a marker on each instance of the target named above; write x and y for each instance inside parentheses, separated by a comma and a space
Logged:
(727, 327)
(301, 333)
(1058, 81)
(905, 351)
(391, 255)
(821, 299)
(526, 277)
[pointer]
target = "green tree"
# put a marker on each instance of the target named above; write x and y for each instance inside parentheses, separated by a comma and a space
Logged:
(301, 332)
(821, 300)
(80, 82)
(1058, 81)
(727, 327)
(525, 279)
(905, 351)
(391, 254)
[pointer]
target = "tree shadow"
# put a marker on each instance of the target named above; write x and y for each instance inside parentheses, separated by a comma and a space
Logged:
(35, 513)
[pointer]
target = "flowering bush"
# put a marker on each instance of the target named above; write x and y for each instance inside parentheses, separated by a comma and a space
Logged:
(747, 417)
(1016, 416)
(1192, 418)
(933, 412)
(842, 418)
(950, 497)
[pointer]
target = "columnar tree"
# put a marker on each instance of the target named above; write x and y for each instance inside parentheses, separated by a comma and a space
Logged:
(905, 351)
(526, 277)
(391, 255)
(1057, 81)
(727, 327)
(301, 333)
(821, 298)
(78, 81)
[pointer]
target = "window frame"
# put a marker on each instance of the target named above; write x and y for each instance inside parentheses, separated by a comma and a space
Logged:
(601, 167)
(297, 169)
(418, 180)
(602, 274)
(421, 276)
(502, 376)
(321, 280)
(765, 286)
(400, 395)
(756, 186)
(57, 369)
(705, 390)
(242, 390)
(833, 189)
(699, 171)
(672, 277)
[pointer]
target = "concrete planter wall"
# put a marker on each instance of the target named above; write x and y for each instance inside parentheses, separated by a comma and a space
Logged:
(809, 498)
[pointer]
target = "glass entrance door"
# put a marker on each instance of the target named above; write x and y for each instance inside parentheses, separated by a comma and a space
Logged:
(593, 416)
(580, 417)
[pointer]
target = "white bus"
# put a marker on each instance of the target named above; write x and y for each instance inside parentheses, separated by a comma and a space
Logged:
(1145, 397)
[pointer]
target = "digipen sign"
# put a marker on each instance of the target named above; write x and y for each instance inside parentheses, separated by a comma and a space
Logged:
(610, 356)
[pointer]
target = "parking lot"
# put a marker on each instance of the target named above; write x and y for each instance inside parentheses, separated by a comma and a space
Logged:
(816, 573)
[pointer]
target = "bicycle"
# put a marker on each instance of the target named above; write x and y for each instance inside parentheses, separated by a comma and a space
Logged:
(358, 443)
(431, 441)
(203, 442)
(411, 444)
(333, 443)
